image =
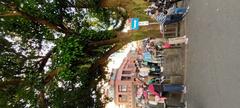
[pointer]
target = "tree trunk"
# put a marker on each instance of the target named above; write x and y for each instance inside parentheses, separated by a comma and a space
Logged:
(152, 31)
(122, 39)
(9, 14)
(134, 8)
(42, 100)
(4, 84)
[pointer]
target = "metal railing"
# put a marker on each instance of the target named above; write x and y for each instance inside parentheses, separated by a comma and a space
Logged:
(170, 31)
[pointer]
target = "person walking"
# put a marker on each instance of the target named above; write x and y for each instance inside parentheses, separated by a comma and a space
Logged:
(177, 10)
(156, 89)
(165, 19)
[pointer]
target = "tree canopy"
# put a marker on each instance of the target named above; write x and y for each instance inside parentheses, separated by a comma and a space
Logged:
(53, 51)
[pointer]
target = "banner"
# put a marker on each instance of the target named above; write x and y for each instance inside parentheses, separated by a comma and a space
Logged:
(178, 40)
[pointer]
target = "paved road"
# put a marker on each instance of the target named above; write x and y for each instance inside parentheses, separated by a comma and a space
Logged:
(213, 71)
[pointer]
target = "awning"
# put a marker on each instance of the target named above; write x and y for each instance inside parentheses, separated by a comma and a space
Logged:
(147, 56)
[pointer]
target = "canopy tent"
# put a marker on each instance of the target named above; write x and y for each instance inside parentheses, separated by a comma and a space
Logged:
(143, 72)
(147, 57)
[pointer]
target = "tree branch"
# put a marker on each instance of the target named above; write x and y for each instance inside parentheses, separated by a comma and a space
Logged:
(52, 74)
(144, 32)
(15, 82)
(42, 100)
(35, 57)
(121, 37)
(42, 22)
(101, 62)
(10, 13)
(18, 12)
(103, 59)
(7, 46)
(45, 59)
(4, 84)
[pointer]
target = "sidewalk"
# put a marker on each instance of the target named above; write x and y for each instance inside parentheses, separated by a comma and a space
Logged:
(176, 63)
(174, 67)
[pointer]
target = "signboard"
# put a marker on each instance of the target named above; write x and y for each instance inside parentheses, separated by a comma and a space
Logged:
(178, 40)
(143, 23)
(135, 23)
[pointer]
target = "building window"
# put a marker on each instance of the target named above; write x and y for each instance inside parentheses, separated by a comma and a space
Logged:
(122, 106)
(122, 88)
(125, 78)
(126, 72)
(122, 98)
(131, 65)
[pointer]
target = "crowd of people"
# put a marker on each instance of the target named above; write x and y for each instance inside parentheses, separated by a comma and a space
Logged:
(153, 88)
(166, 11)
(151, 69)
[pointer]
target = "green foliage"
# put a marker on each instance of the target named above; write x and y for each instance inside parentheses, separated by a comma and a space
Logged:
(88, 3)
(137, 6)
(102, 14)
(3, 8)
(69, 49)
(26, 42)
(41, 9)
(25, 29)
(96, 35)
(10, 65)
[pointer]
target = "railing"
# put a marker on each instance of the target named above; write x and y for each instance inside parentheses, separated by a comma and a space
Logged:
(170, 31)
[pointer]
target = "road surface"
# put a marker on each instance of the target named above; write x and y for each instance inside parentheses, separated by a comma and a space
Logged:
(213, 70)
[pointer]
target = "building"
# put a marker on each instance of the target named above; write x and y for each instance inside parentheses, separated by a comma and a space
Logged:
(124, 83)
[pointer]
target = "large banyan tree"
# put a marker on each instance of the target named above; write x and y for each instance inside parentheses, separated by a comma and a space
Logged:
(53, 52)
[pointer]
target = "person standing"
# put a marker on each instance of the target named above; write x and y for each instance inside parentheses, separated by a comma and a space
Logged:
(165, 19)
(170, 3)
(156, 89)
(177, 88)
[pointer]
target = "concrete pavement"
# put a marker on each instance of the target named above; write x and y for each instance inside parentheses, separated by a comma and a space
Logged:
(213, 73)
